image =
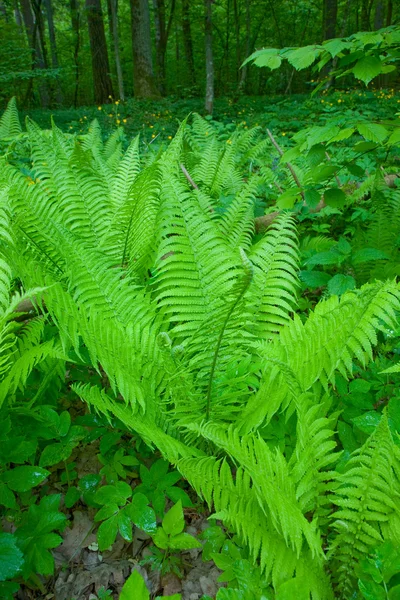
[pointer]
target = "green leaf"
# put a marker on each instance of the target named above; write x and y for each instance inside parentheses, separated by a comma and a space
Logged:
(360, 386)
(339, 284)
(72, 496)
(372, 132)
(118, 493)
(335, 197)
(7, 498)
(293, 588)
(367, 422)
(107, 532)
(183, 541)
(173, 522)
(370, 590)
(335, 46)
(142, 515)
(106, 512)
(367, 68)
(214, 538)
(161, 539)
(312, 198)
(8, 589)
(22, 479)
(314, 279)
(64, 423)
(394, 593)
(269, 59)
(301, 58)
(323, 172)
(11, 557)
(125, 526)
(134, 588)
(367, 254)
(288, 198)
(394, 138)
(54, 454)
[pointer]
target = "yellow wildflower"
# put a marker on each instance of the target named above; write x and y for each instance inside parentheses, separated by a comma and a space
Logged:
(99, 108)
(118, 121)
(124, 120)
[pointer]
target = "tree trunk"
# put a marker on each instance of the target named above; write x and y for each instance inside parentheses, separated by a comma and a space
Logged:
(237, 37)
(187, 41)
(379, 15)
(243, 71)
(113, 4)
(75, 22)
(38, 62)
(98, 48)
(53, 46)
(330, 10)
(209, 104)
(162, 35)
(144, 85)
(389, 13)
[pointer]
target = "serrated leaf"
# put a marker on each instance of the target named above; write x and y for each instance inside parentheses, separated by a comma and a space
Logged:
(72, 496)
(54, 454)
(106, 512)
(134, 588)
(367, 68)
(314, 279)
(367, 422)
(118, 493)
(335, 197)
(11, 557)
(269, 59)
(125, 526)
(288, 198)
(142, 515)
(293, 588)
(161, 539)
(394, 138)
(107, 532)
(370, 590)
(183, 541)
(367, 254)
(301, 58)
(7, 497)
(22, 479)
(373, 132)
(335, 46)
(173, 522)
(339, 284)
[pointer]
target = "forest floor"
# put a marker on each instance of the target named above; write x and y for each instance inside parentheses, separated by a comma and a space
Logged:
(82, 571)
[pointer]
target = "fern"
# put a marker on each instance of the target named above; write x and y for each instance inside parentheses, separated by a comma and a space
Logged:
(10, 126)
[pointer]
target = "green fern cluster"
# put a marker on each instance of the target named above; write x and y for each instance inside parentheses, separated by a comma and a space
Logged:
(193, 325)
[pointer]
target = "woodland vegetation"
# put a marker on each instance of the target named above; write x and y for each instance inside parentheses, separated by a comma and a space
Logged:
(199, 300)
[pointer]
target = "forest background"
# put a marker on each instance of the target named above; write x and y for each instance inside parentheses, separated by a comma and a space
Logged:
(73, 53)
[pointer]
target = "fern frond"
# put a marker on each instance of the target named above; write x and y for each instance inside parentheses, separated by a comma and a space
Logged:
(365, 499)
(10, 126)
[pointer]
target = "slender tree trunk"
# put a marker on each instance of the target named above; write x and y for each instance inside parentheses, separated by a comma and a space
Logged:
(113, 4)
(18, 16)
(243, 71)
(53, 45)
(209, 103)
(187, 41)
(379, 15)
(75, 22)
(162, 34)
(389, 13)
(237, 36)
(38, 62)
(144, 84)
(330, 10)
(98, 48)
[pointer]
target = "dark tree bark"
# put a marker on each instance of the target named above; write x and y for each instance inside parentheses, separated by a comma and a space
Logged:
(389, 13)
(32, 28)
(187, 41)
(75, 22)
(330, 10)
(162, 34)
(113, 17)
(209, 103)
(243, 71)
(53, 45)
(98, 48)
(144, 85)
(379, 15)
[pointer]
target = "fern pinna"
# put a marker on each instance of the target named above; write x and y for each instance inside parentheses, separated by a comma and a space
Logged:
(194, 326)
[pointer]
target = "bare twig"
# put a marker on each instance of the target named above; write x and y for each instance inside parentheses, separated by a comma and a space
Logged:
(336, 177)
(188, 177)
(288, 164)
